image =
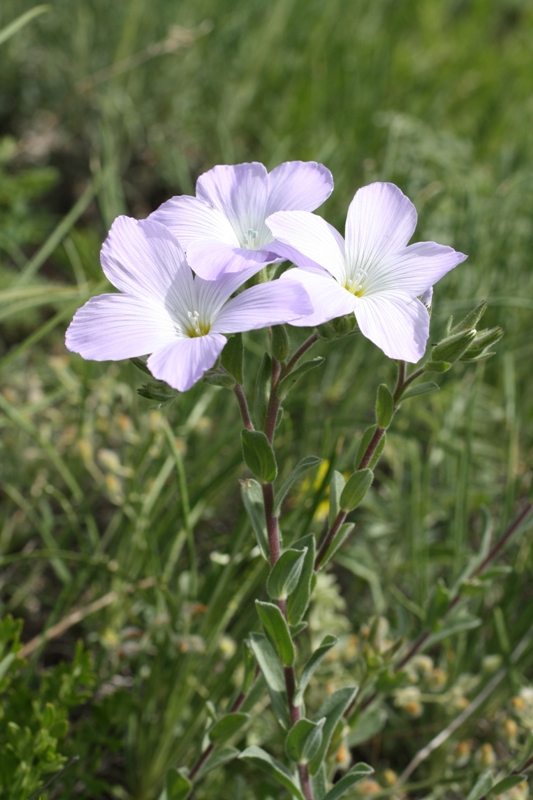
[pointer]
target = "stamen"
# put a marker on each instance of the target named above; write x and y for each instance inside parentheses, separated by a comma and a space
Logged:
(194, 316)
(355, 284)
(250, 237)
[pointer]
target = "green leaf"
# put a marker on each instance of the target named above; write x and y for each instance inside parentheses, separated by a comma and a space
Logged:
(438, 604)
(227, 726)
(507, 783)
(470, 321)
(219, 378)
(20, 22)
(457, 625)
(177, 785)
(259, 455)
(336, 486)
(324, 647)
(337, 542)
(368, 724)
(453, 347)
(384, 406)
(332, 709)
(260, 758)
(482, 786)
(356, 773)
(276, 627)
(262, 391)
(252, 498)
(319, 783)
(270, 666)
(290, 381)
(299, 599)
(219, 756)
(356, 488)
(303, 740)
(281, 342)
(437, 366)
(420, 388)
(285, 574)
(303, 466)
(232, 357)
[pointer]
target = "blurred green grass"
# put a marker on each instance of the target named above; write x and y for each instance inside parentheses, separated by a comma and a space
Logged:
(105, 112)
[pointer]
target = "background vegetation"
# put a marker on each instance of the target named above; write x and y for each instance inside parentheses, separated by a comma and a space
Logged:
(121, 525)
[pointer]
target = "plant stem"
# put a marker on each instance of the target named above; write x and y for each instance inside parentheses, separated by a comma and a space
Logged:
(243, 407)
(289, 366)
(328, 538)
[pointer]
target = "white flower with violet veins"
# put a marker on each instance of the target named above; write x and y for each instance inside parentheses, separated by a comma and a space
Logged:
(373, 274)
(165, 310)
(223, 228)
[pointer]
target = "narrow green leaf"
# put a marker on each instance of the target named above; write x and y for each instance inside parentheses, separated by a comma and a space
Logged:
(438, 604)
(337, 542)
(319, 783)
(259, 455)
(303, 740)
(276, 627)
(324, 647)
(482, 786)
(219, 378)
(262, 391)
(356, 773)
(232, 357)
(304, 465)
(458, 625)
(177, 785)
(384, 406)
(336, 486)
(299, 599)
(285, 574)
(270, 666)
(332, 709)
(420, 388)
(471, 320)
(290, 381)
(219, 756)
(437, 366)
(507, 783)
(260, 758)
(20, 22)
(356, 488)
(252, 498)
(228, 726)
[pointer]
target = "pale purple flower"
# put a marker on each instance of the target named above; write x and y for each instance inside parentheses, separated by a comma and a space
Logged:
(223, 228)
(374, 274)
(165, 310)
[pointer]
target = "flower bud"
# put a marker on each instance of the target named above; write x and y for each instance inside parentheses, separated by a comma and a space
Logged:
(453, 347)
(281, 343)
(337, 328)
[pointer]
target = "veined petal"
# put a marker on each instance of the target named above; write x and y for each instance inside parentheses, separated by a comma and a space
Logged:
(413, 269)
(328, 298)
(141, 258)
(184, 362)
(311, 236)
(288, 253)
(266, 304)
(396, 323)
(381, 220)
(111, 327)
(298, 185)
(210, 259)
(240, 192)
(190, 219)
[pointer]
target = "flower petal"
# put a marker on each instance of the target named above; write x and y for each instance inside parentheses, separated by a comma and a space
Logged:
(311, 236)
(116, 326)
(298, 186)
(381, 220)
(413, 269)
(190, 219)
(271, 303)
(182, 363)
(210, 259)
(141, 258)
(396, 323)
(240, 192)
(328, 298)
